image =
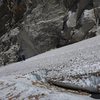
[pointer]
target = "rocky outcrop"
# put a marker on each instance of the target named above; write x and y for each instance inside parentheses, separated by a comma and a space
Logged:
(11, 13)
(79, 27)
(4, 18)
(38, 32)
(9, 47)
(41, 29)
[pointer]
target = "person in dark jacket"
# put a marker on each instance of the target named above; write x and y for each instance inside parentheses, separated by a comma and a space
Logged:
(23, 57)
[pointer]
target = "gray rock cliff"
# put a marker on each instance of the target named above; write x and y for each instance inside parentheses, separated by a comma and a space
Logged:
(43, 25)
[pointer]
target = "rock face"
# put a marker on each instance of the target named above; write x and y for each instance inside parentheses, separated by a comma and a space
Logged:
(46, 25)
(4, 17)
(9, 47)
(39, 30)
(79, 24)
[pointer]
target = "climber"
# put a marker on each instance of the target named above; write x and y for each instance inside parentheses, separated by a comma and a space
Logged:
(21, 57)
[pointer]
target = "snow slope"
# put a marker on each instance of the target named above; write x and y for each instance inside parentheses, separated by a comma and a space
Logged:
(78, 54)
(26, 79)
(27, 87)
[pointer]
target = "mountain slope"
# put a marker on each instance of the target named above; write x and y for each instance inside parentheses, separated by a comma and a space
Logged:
(82, 53)
(27, 79)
